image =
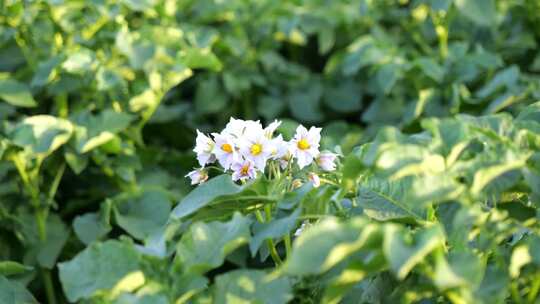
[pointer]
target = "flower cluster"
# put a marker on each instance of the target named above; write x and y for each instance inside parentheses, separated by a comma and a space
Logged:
(245, 147)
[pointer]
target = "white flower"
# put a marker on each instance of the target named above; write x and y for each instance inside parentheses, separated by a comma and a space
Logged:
(238, 127)
(305, 145)
(203, 147)
(256, 147)
(225, 150)
(304, 226)
(279, 147)
(327, 161)
(197, 176)
(314, 178)
(271, 128)
(243, 170)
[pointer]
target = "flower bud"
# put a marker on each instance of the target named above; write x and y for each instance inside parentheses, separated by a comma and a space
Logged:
(198, 176)
(314, 178)
(326, 161)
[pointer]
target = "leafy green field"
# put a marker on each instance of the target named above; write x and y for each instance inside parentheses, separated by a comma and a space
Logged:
(132, 170)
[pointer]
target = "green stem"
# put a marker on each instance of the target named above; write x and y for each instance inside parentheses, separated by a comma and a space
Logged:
(49, 287)
(514, 292)
(41, 220)
(288, 245)
(269, 242)
(534, 289)
(273, 252)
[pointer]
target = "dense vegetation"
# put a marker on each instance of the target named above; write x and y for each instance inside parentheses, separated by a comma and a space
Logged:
(431, 105)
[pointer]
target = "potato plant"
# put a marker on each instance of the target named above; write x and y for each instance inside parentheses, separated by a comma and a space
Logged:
(262, 151)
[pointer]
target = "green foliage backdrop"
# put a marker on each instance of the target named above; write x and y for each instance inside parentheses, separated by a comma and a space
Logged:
(431, 102)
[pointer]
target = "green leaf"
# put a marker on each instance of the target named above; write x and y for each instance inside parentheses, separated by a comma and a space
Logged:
(458, 269)
(92, 226)
(328, 243)
(209, 97)
(195, 58)
(385, 200)
(504, 78)
(45, 252)
(14, 293)
(41, 134)
(251, 286)
(431, 68)
(204, 194)
(143, 299)
(95, 130)
(346, 97)
(16, 93)
(139, 5)
(304, 103)
(8, 268)
(404, 251)
(79, 62)
(484, 176)
(144, 215)
(99, 267)
(274, 229)
(46, 71)
(204, 246)
(481, 12)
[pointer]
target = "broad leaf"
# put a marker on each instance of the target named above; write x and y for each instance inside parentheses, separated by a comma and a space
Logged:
(14, 293)
(251, 286)
(204, 246)
(204, 194)
(404, 251)
(99, 267)
(41, 134)
(143, 215)
(16, 93)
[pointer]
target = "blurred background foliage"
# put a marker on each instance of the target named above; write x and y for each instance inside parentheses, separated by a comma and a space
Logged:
(101, 98)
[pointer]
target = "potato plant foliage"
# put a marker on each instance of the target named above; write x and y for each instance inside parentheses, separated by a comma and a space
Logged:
(430, 106)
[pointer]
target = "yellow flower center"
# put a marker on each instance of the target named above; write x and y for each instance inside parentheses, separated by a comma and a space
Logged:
(256, 149)
(227, 148)
(244, 170)
(303, 144)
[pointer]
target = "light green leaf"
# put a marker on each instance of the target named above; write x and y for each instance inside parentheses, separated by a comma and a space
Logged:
(431, 68)
(195, 58)
(204, 194)
(481, 12)
(205, 245)
(92, 226)
(14, 293)
(458, 269)
(16, 93)
(143, 299)
(326, 244)
(251, 286)
(504, 78)
(41, 134)
(144, 215)
(404, 251)
(8, 268)
(46, 71)
(45, 252)
(139, 5)
(79, 62)
(99, 267)
(484, 176)
(275, 228)
(95, 130)
(386, 200)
